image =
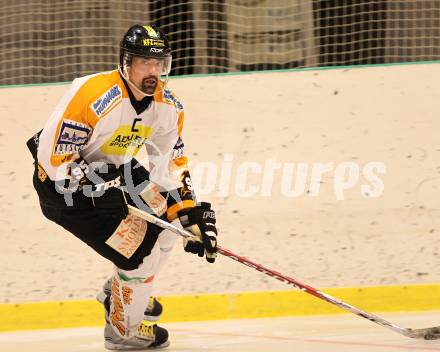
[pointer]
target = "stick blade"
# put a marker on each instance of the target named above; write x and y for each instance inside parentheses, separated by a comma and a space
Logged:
(426, 334)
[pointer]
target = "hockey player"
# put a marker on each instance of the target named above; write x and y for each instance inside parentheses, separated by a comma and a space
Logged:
(86, 173)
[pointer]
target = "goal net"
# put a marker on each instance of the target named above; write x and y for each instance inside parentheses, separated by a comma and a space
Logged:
(58, 40)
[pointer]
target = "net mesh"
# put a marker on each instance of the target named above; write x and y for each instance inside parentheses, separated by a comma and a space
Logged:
(58, 40)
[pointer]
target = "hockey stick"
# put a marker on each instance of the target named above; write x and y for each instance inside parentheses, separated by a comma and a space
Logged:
(427, 333)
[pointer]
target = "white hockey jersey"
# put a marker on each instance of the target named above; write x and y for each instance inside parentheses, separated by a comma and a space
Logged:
(96, 120)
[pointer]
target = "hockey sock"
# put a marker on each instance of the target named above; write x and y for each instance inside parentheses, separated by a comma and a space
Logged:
(130, 292)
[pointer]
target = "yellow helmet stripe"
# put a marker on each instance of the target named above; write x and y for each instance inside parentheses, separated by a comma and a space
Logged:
(151, 31)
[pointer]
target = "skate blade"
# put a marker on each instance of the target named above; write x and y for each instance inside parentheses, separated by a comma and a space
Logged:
(123, 347)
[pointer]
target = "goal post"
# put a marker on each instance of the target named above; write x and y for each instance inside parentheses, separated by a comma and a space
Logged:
(58, 40)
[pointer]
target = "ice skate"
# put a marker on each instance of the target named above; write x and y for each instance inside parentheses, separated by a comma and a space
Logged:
(149, 336)
(153, 310)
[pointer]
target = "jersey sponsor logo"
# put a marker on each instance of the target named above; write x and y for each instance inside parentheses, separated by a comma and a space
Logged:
(178, 149)
(125, 141)
(170, 97)
(106, 102)
(128, 236)
(71, 138)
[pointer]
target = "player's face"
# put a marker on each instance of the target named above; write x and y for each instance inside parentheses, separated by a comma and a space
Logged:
(145, 73)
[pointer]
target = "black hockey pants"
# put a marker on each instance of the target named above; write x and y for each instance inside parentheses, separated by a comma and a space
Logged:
(83, 221)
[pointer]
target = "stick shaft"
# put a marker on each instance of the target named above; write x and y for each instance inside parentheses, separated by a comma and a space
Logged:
(288, 280)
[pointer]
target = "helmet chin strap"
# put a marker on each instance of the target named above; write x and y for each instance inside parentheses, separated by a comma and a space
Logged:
(123, 71)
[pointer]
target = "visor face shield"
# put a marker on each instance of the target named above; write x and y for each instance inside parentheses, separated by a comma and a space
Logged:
(138, 69)
(161, 65)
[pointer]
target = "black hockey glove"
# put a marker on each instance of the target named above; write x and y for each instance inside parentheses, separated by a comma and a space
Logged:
(200, 221)
(103, 183)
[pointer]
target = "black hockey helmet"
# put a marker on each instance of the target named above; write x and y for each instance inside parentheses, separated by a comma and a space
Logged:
(145, 41)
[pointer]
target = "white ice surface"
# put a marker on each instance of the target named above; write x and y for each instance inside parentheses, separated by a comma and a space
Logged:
(326, 334)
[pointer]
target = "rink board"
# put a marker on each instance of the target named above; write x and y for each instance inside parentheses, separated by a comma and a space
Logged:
(67, 314)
